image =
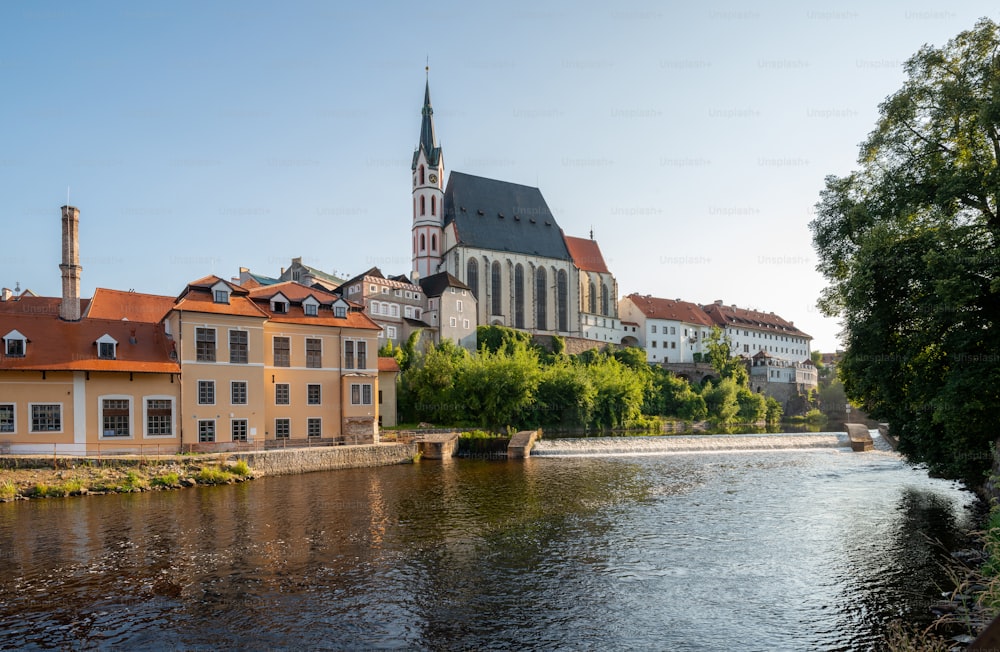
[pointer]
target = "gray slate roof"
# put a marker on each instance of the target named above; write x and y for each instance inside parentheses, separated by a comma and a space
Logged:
(436, 284)
(502, 216)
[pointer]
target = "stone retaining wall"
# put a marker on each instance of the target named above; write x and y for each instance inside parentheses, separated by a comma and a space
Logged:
(304, 460)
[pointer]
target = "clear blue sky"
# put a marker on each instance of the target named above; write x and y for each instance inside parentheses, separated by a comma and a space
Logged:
(198, 137)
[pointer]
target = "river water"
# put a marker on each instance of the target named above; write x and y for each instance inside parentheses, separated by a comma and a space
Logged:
(804, 549)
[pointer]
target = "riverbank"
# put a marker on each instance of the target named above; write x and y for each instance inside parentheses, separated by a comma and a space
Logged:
(39, 476)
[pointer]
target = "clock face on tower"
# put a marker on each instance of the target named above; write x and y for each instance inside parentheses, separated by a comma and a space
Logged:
(433, 177)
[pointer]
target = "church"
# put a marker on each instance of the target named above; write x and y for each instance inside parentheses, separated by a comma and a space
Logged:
(502, 241)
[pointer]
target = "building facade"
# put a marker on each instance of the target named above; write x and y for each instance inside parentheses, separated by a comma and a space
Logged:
(394, 303)
(670, 330)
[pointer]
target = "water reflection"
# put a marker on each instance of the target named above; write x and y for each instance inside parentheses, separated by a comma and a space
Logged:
(795, 550)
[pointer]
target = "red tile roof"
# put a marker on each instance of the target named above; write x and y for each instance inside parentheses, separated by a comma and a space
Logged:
(292, 291)
(731, 316)
(674, 310)
(56, 345)
(133, 306)
(295, 315)
(197, 300)
(388, 364)
(586, 254)
(35, 305)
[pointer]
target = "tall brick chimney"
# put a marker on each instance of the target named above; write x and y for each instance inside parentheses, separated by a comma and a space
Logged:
(69, 309)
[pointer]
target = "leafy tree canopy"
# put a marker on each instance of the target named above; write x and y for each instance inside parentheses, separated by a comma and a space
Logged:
(909, 245)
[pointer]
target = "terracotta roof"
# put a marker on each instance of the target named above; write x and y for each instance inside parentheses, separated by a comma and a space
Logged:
(731, 316)
(56, 345)
(133, 306)
(36, 305)
(197, 300)
(294, 292)
(586, 254)
(388, 364)
(295, 315)
(674, 310)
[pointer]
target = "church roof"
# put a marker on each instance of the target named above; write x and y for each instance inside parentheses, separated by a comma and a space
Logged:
(502, 216)
(586, 254)
(428, 141)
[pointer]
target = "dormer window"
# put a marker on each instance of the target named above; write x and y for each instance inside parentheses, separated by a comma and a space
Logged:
(340, 310)
(221, 292)
(310, 306)
(15, 345)
(279, 304)
(106, 347)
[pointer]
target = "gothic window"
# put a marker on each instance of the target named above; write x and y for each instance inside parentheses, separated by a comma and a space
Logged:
(562, 300)
(592, 299)
(434, 242)
(518, 296)
(496, 286)
(434, 205)
(421, 177)
(423, 242)
(472, 276)
(423, 205)
(604, 300)
(540, 298)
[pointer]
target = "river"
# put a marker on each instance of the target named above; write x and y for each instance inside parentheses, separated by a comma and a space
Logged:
(808, 549)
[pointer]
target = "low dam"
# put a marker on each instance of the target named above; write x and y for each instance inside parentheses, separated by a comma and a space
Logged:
(620, 446)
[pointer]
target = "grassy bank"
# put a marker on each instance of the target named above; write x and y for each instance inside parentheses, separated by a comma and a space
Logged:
(86, 478)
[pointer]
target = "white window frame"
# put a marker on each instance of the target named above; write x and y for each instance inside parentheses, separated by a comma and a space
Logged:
(215, 394)
(312, 420)
(318, 385)
(288, 393)
(104, 340)
(289, 420)
(62, 419)
(360, 399)
(14, 335)
(13, 407)
(145, 416)
(100, 416)
(229, 344)
(246, 426)
(215, 431)
(391, 332)
(246, 392)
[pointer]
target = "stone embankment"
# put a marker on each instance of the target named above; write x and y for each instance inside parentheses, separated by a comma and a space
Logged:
(41, 476)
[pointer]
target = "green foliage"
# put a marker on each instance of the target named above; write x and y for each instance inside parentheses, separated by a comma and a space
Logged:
(721, 401)
(774, 410)
(752, 406)
(213, 475)
(8, 490)
(498, 388)
(240, 468)
(166, 480)
(619, 392)
(501, 338)
(908, 244)
(720, 356)
(565, 396)
(132, 482)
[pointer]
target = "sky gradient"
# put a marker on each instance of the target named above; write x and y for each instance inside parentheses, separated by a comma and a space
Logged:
(200, 137)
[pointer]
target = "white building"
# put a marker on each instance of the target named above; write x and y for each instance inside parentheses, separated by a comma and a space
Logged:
(753, 331)
(670, 330)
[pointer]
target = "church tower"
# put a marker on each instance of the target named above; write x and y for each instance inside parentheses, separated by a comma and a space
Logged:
(428, 196)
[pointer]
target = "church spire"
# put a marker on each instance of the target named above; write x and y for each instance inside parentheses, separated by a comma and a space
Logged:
(428, 141)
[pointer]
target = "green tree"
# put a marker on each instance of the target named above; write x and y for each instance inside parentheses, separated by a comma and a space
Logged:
(498, 388)
(720, 356)
(752, 406)
(721, 401)
(619, 392)
(774, 410)
(565, 396)
(908, 243)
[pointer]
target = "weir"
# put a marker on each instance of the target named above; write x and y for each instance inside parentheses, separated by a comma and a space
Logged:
(619, 446)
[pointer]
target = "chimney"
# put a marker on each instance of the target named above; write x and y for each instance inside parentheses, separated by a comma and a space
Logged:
(718, 302)
(69, 309)
(6, 294)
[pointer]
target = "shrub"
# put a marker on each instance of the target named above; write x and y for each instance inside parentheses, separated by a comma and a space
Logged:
(240, 468)
(132, 482)
(213, 475)
(8, 490)
(166, 480)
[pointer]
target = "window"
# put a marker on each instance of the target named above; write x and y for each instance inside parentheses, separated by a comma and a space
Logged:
(592, 298)
(15, 344)
(652, 328)
(159, 417)
(314, 353)
(605, 300)
(281, 394)
(239, 429)
(238, 347)
(390, 332)
(465, 324)
(8, 420)
(518, 296)
(46, 417)
(394, 310)
(361, 394)
(472, 276)
(314, 395)
(408, 312)
(282, 351)
(673, 345)
(279, 306)
(434, 238)
(340, 312)
(221, 296)
(421, 168)
(453, 322)
(311, 309)
(458, 306)
(238, 392)
(433, 212)
(562, 299)
(654, 344)
(314, 427)
(205, 344)
(115, 417)
(106, 350)
(206, 392)
(496, 288)
(348, 355)
(541, 318)
(282, 428)
(362, 355)
(206, 431)
(423, 211)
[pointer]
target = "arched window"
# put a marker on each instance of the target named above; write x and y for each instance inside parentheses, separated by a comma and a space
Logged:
(496, 288)
(423, 205)
(421, 175)
(562, 300)
(434, 205)
(434, 242)
(541, 318)
(518, 296)
(604, 300)
(592, 299)
(472, 276)
(423, 242)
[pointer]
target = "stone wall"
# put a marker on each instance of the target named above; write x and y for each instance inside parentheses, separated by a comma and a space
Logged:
(304, 460)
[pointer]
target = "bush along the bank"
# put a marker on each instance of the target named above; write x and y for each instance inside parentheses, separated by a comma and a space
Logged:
(512, 382)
